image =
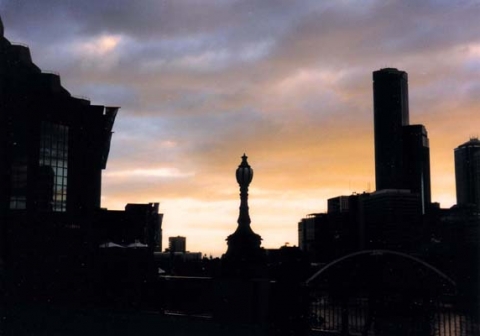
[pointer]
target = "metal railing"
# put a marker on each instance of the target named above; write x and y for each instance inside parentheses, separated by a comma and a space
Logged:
(356, 317)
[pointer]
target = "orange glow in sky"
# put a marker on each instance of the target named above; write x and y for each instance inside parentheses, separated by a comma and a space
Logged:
(289, 83)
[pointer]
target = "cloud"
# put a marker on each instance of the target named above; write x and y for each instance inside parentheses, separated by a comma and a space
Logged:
(287, 82)
(165, 172)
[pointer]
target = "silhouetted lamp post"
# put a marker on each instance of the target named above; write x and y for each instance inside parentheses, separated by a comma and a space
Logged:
(244, 177)
(244, 253)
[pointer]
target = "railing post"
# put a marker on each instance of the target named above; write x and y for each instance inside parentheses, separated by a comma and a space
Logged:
(344, 307)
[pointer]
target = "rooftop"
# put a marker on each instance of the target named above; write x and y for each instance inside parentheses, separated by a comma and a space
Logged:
(473, 142)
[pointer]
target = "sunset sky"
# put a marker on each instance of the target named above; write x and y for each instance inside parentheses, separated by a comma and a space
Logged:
(289, 83)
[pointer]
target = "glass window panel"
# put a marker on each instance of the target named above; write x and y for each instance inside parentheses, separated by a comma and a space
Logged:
(18, 203)
(54, 152)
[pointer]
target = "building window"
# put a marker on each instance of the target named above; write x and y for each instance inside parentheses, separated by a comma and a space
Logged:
(53, 172)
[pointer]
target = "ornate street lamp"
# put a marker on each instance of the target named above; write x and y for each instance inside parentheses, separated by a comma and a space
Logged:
(244, 176)
(244, 253)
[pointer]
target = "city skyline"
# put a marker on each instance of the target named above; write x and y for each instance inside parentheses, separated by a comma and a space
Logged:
(292, 89)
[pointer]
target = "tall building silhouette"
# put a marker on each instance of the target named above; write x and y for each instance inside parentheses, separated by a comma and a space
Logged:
(402, 154)
(390, 111)
(416, 164)
(467, 173)
(53, 148)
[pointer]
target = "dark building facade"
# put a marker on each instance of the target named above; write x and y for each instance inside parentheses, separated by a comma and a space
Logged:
(53, 148)
(467, 173)
(339, 204)
(385, 219)
(390, 111)
(392, 216)
(344, 216)
(51, 142)
(177, 244)
(402, 154)
(314, 237)
(138, 224)
(327, 236)
(416, 150)
(147, 224)
(391, 219)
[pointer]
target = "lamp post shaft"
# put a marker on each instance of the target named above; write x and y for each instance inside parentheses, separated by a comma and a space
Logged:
(244, 216)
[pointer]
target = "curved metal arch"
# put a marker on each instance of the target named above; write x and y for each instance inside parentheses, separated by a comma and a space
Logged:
(381, 252)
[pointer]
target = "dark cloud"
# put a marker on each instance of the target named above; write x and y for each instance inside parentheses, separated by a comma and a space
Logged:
(288, 82)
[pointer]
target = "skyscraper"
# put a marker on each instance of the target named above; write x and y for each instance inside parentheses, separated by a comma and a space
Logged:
(416, 163)
(467, 173)
(390, 112)
(402, 154)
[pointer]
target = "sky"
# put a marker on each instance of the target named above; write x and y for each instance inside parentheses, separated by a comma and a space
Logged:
(289, 83)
